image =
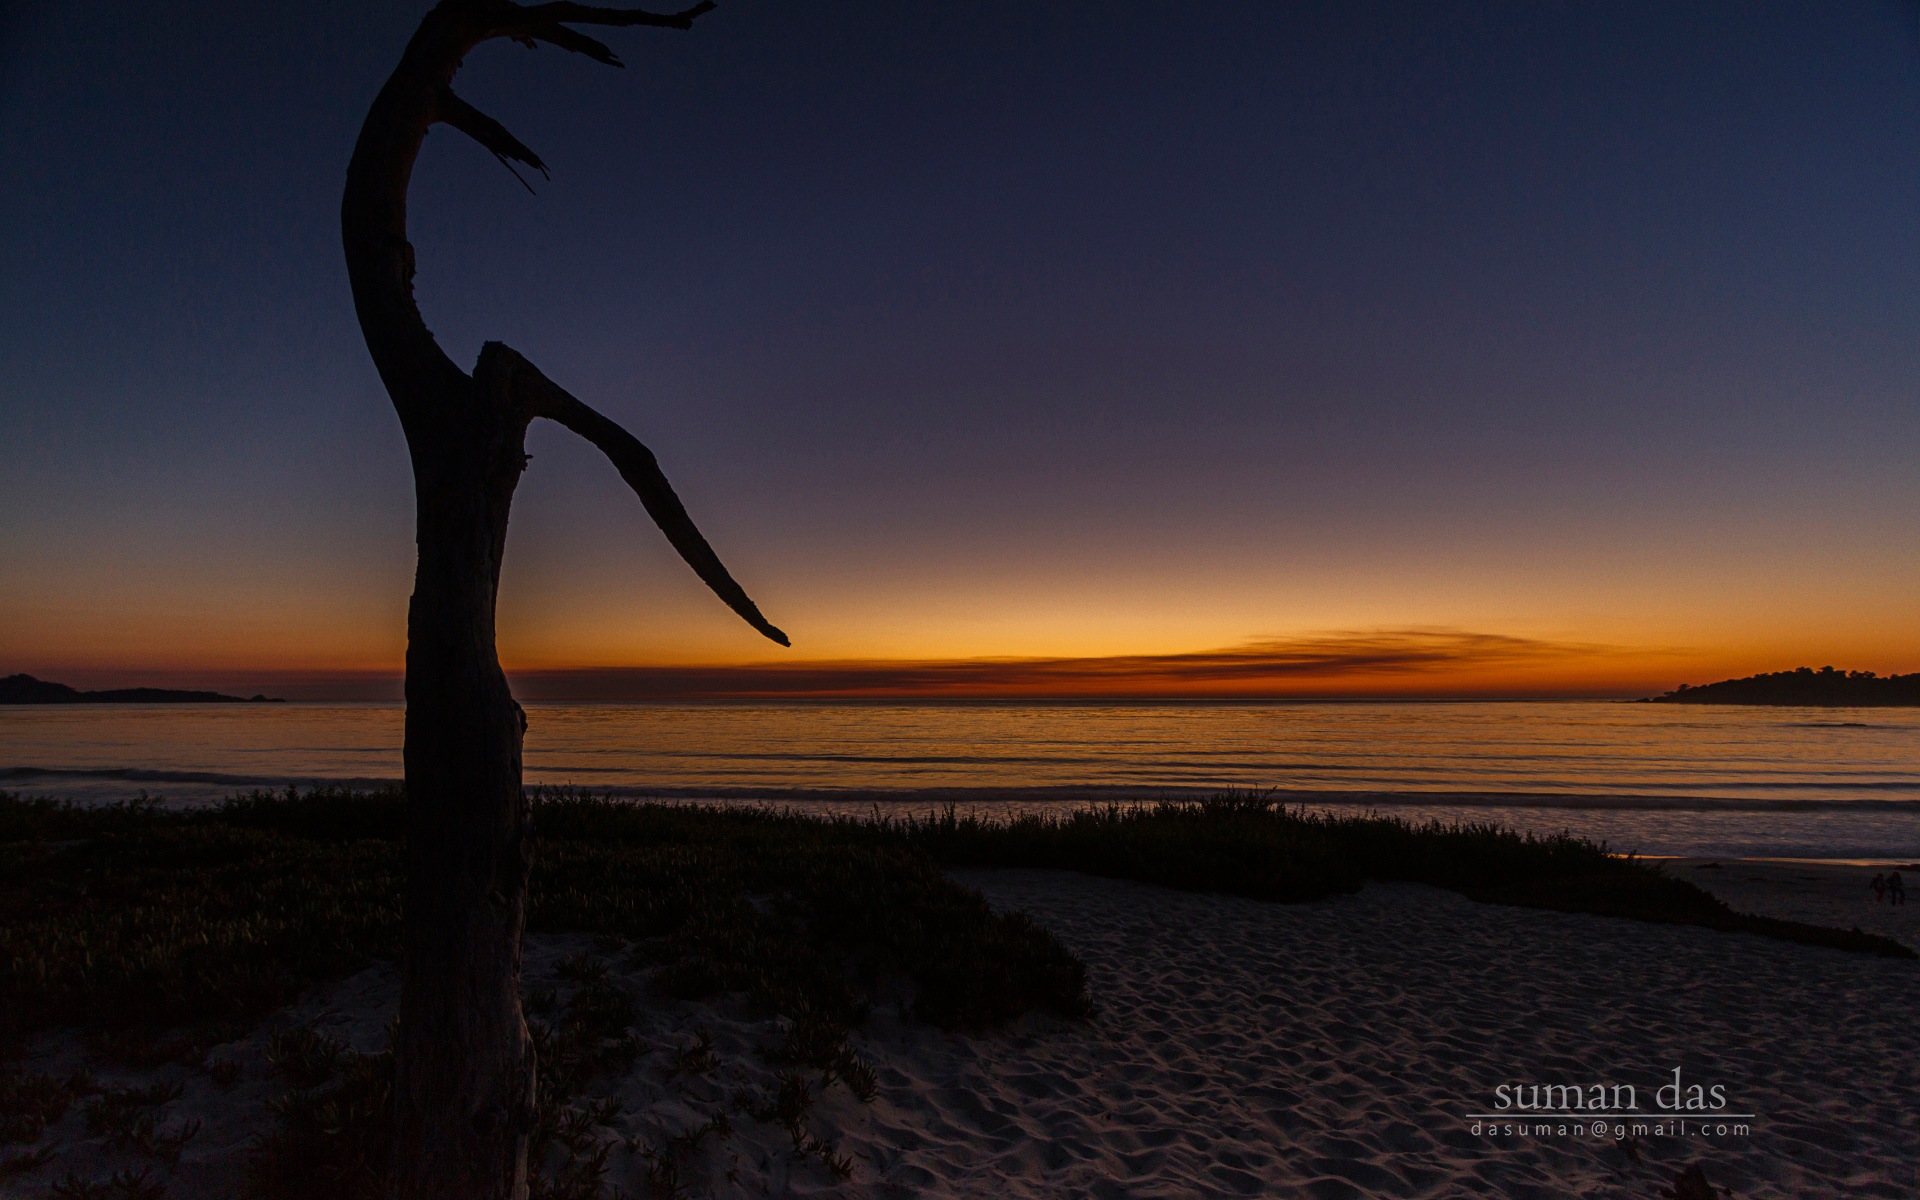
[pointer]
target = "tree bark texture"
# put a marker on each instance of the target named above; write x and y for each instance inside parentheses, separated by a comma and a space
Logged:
(464, 1085)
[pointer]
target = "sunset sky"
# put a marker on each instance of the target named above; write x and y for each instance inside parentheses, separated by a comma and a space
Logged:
(1244, 348)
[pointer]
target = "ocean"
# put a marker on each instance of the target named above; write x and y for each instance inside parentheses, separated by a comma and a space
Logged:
(1833, 784)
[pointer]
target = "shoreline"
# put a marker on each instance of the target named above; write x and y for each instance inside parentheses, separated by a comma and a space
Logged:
(1813, 893)
(22, 777)
(1848, 832)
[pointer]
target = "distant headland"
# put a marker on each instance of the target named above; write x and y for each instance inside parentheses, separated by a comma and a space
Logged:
(1804, 686)
(25, 689)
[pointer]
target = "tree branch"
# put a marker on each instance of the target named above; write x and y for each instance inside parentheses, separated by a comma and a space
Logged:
(488, 132)
(570, 39)
(563, 12)
(636, 464)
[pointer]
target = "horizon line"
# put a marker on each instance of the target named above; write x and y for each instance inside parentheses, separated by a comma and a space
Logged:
(1418, 663)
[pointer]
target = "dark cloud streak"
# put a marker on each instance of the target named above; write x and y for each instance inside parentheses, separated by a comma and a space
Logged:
(1383, 662)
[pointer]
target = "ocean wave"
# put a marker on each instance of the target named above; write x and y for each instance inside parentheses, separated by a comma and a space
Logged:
(1178, 770)
(149, 775)
(1070, 794)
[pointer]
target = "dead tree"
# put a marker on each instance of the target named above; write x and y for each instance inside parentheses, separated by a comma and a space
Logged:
(464, 1088)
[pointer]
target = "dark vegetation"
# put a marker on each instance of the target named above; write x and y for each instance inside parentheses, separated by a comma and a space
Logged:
(163, 932)
(1250, 845)
(25, 689)
(132, 916)
(1804, 686)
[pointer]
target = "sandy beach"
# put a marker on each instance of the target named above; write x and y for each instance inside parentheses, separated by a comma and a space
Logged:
(1331, 1049)
(1836, 894)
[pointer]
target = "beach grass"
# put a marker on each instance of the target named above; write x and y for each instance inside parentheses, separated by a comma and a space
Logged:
(1251, 844)
(129, 916)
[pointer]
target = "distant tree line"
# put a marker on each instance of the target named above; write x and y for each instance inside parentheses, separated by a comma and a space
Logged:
(1803, 686)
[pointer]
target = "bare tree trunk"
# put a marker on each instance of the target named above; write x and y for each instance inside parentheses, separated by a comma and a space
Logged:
(464, 1083)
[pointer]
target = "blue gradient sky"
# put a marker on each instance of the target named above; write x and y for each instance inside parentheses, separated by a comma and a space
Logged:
(993, 330)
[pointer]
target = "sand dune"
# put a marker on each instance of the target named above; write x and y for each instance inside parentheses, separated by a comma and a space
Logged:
(1320, 1050)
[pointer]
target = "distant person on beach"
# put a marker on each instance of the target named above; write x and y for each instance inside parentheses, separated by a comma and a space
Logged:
(1896, 889)
(1879, 886)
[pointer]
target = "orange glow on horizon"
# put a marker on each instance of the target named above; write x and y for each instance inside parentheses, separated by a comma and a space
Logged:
(1418, 663)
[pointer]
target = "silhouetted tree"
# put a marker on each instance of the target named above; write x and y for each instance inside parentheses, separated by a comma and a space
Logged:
(464, 1087)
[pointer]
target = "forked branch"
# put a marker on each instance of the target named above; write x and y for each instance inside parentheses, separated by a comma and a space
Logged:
(570, 39)
(427, 388)
(563, 13)
(544, 398)
(548, 23)
(487, 131)
(531, 25)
